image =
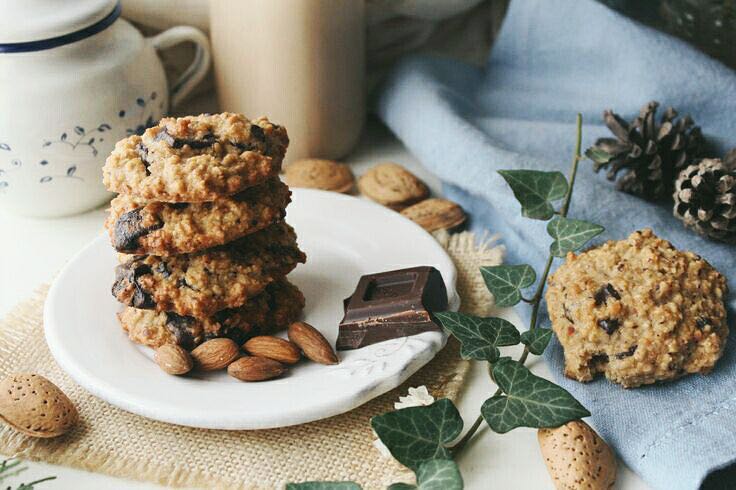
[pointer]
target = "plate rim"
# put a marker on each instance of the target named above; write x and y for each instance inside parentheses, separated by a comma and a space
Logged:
(118, 397)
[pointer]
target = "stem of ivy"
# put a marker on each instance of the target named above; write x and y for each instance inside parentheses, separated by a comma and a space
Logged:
(536, 300)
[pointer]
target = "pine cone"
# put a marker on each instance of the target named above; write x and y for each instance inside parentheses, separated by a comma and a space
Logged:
(705, 199)
(652, 154)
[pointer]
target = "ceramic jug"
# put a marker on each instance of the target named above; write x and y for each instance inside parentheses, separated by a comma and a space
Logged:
(74, 79)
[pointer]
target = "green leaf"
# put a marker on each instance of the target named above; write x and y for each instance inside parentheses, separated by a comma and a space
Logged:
(598, 155)
(417, 434)
(536, 340)
(435, 474)
(570, 234)
(529, 401)
(480, 337)
(536, 191)
(323, 485)
(505, 282)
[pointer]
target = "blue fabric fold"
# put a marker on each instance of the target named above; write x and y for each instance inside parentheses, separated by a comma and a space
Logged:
(553, 59)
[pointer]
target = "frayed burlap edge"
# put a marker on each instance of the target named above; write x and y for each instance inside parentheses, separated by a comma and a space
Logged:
(116, 443)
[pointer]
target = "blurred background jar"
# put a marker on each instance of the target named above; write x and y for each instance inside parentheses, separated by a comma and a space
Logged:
(300, 62)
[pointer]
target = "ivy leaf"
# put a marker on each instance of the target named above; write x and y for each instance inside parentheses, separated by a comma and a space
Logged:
(505, 282)
(480, 337)
(323, 485)
(79, 130)
(4, 146)
(536, 340)
(536, 191)
(528, 400)
(45, 179)
(71, 170)
(570, 234)
(63, 137)
(417, 434)
(435, 474)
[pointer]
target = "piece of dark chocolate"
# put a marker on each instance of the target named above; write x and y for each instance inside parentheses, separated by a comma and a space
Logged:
(392, 304)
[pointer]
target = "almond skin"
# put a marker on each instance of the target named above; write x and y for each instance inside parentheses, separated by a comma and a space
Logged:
(255, 369)
(273, 348)
(312, 343)
(215, 354)
(36, 407)
(173, 359)
(577, 457)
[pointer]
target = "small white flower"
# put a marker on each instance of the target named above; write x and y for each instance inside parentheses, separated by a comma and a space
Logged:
(418, 397)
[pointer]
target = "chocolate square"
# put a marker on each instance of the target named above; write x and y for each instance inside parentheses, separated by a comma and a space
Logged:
(392, 304)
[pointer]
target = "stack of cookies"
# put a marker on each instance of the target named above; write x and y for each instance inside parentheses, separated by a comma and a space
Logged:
(199, 224)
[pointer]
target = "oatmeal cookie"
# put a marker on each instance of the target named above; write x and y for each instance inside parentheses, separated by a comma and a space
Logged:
(639, 311)
(196, 158)
(205, 282)
(280, 304)
(156, 228)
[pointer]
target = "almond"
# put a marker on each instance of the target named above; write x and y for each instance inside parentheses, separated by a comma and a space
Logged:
(436, 214)
(577, 457)
(173, 359)
(35, 406)
(312, 343)
(273, 348)
(255, 369)
(215, 354)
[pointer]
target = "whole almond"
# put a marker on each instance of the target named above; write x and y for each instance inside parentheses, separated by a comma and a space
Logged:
(392, 185)
(317, 173)
(253, 368)
(173, 359)
(436, 214)
(577, 457)
(35, 406)
(312, 343)
(273, 348)
(215, 354)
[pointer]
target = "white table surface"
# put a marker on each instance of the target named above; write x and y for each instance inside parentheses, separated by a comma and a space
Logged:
(32, 250)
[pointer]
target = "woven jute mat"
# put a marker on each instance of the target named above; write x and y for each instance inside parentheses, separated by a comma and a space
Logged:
(111, 441)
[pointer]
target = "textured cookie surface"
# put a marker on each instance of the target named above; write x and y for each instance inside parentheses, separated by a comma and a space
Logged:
(435, 214)
(392, 185)
(314, 173)
(205, 282)
(274, 309)
(196, 158)
(157, 228)
(639, 311)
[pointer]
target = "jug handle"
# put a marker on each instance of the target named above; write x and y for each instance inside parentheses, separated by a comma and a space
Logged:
(196, 71)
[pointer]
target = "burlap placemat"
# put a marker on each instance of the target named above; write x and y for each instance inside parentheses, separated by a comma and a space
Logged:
(111, 441)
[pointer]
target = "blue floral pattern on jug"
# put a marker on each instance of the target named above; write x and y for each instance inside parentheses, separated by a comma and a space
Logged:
(141, 117)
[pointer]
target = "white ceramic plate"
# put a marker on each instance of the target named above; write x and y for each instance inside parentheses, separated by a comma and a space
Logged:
(343, 237)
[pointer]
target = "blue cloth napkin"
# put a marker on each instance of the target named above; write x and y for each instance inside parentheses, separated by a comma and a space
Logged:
(552, 59)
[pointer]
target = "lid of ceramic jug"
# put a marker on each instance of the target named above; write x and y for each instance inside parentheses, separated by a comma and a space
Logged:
(25, 21)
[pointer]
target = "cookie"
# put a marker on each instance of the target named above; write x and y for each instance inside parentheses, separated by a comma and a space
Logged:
(280, 304)
(314, 173)
(157, 228)
(392, 185)
(205, 282)
(436, 214)
(196, 158)
(639, 311)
